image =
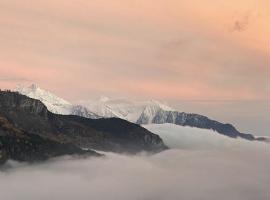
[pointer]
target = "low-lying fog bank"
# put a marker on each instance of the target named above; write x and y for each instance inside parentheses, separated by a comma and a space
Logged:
(236, 171)
(190, 138)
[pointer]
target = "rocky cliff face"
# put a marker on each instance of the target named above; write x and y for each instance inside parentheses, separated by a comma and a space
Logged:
(33, 118)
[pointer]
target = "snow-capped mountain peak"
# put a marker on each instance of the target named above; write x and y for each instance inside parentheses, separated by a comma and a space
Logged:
(36, 92)
(140, 112)
(104, 107)
(151, 110)
(124, 108)
(159, 105)
(54, 103)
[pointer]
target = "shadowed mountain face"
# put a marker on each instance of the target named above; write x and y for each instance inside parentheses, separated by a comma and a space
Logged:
(32, 117)
(195, 120)
(19, 145)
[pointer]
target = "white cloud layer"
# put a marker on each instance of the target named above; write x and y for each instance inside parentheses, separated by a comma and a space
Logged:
(179, 137)
(239, 171)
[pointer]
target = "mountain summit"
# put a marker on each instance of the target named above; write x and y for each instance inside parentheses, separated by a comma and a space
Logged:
(54, 103)
(126, 109)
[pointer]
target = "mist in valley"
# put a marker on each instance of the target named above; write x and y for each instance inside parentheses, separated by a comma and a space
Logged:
(230, 169)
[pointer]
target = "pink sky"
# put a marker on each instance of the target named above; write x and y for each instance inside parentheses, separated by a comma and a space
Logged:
(171, 50)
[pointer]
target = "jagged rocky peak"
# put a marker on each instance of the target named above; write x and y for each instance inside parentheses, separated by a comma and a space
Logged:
(151, 110)
(54, 103)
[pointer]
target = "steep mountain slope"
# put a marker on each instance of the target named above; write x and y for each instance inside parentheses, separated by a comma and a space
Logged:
(54, 103)
(19, 145)
(113, 134)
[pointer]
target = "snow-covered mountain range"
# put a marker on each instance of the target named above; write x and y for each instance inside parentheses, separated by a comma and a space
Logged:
(54, 103)
(140, 112)
(126, 109)
(104, 107)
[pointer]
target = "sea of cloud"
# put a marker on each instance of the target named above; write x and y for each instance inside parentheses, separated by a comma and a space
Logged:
(201, 165)
(180, 137)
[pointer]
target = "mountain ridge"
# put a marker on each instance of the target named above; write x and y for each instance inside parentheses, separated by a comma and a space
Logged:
(19, 145)
(54, 103)
(32, 118)
(147, 112)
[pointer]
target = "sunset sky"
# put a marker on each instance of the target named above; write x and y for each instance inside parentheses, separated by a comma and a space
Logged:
(171, 50)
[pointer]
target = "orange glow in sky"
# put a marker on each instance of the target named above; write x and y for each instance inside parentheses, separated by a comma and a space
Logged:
(173, 49)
